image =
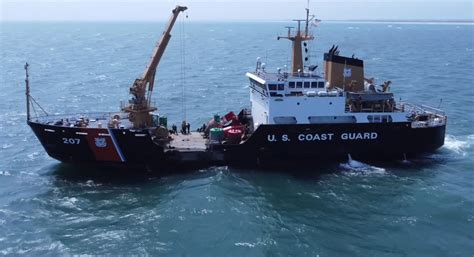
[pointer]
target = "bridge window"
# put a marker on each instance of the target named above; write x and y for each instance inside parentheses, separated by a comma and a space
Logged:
(272, 87)
(291, 84)
(256, 84)
(321, 84)
(281, 86)
(299, 84)
(314, 84)
(307, 84)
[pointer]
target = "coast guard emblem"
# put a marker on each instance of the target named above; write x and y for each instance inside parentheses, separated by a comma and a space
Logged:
(100, 142)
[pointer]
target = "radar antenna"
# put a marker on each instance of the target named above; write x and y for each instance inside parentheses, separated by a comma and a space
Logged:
(297, 38)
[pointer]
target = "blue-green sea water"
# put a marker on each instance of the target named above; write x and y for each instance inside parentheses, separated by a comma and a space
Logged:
(420, 207)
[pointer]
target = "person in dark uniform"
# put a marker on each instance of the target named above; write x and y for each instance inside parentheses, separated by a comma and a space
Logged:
(183, 127)
(174, 129)
(188, 128)
(203, 128)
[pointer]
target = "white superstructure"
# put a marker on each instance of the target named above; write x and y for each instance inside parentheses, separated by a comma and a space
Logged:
(304, 98)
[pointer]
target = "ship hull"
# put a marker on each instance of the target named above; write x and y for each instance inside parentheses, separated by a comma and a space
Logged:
(299, 144)
(99, 146)
(327, 142)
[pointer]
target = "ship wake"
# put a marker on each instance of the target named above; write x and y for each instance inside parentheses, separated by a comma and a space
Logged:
(459, 145)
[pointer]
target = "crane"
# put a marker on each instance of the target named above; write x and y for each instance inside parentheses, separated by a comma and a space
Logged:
(139, 107)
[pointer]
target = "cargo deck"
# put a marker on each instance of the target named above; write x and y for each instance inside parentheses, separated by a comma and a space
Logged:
(192, 149)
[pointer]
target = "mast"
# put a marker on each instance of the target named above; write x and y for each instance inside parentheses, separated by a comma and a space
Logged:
(307, 20)
(27, 92)
(142, 88)
(297, 38)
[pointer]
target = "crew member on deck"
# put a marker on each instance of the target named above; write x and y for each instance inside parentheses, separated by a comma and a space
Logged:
(203, 128)
(386, 85)
(183, 127)
(188, 128)
(174, 129)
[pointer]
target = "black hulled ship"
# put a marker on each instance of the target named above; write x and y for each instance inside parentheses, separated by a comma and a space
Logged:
(296, 115)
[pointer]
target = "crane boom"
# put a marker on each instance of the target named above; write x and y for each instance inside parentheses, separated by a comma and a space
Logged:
(140, 104)
(149, 73)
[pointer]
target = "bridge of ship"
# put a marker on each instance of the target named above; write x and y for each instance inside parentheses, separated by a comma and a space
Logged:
(278, 86)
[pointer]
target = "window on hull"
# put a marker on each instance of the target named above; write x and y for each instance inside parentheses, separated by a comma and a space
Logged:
(331, 119)
(285, 120)
(379, 118)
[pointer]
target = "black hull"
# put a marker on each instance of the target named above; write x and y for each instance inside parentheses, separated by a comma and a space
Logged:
(269, 144)
(121, 148)
(326, 142)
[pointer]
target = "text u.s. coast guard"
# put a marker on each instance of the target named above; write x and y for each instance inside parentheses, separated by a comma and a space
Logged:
(323, 137)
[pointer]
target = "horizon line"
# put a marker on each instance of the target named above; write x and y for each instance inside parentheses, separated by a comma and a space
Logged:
(449, 21)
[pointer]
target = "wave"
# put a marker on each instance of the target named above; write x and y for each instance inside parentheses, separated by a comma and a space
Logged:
(356, 167)
(251, 245)
(69, 202)
(34, 155)
(259, 242)
(5, 173)
(458, 145)
(6, 146)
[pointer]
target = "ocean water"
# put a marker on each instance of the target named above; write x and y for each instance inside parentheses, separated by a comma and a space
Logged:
(418, 207)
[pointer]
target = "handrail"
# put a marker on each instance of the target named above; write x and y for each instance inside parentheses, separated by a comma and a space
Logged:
(411, 107)
(73, 115)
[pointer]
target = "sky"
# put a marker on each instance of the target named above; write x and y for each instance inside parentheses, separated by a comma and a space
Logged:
(233, 10)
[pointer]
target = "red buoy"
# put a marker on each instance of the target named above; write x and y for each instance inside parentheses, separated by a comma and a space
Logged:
(233, 133)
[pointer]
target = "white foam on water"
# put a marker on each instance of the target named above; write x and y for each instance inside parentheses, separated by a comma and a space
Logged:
(458, 145)
(5, 173)
(356, 167)
(6, 146)
(111, 235)
(101, 77)
(90, 183)
(260, 241)
(405, 160)
(245, 244)
(69, 202)
(33, 155)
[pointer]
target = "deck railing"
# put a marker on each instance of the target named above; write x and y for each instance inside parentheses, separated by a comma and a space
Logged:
(282, 76)
(419, 109)
(433, 117)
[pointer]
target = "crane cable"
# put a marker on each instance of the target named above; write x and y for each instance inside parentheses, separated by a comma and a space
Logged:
(182, 40)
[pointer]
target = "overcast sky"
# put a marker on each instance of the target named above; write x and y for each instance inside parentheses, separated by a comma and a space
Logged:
(279, 10)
